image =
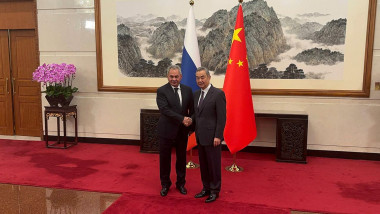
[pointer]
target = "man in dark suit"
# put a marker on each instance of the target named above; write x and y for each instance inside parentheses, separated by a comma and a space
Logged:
(210, 119)
(176, 104)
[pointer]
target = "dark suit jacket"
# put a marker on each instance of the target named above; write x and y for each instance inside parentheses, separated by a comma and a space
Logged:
(170, 122)
(210, 118)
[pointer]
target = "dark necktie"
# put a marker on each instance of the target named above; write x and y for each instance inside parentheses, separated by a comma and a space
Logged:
(201, 100)
(177, 96)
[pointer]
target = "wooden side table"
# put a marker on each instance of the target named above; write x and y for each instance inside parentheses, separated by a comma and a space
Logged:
(149, 141)
(61, 113)
(291, 133)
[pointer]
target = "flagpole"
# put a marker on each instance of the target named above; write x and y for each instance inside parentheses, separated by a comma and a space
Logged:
(234, 167)
(240, 106)
(191, 164)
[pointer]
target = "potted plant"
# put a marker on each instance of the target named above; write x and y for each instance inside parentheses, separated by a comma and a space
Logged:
(58, 80)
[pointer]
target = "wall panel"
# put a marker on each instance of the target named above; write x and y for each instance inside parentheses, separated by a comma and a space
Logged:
(17, 15)
(336, 124)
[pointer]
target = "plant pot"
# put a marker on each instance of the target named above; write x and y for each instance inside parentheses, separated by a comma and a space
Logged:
(60, 100)
(53, 101)
(65, 102)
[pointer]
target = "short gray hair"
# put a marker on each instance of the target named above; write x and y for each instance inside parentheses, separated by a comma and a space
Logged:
(204, 69)
(173, 67)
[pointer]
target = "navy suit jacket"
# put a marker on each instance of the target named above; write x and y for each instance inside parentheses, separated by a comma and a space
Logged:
(172, 114)
(210, 117)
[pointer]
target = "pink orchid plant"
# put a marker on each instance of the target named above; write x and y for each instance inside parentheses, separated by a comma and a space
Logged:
(56, 78)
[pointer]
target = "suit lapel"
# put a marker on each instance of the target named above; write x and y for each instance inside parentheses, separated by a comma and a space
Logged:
(171, 96)
(184, 97)
(206, 98)
(170, 92)
(196, 99)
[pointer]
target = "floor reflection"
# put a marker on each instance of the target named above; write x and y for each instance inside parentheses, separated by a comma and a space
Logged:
(27, 199)
(17, 199)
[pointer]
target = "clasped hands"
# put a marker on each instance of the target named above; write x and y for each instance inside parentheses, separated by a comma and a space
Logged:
(187, 121)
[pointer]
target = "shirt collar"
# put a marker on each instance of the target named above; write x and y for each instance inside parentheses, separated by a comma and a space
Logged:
(179, 87)
(206, 89)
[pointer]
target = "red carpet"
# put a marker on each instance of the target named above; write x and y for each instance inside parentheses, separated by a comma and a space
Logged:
(322, 185)
(137, 203)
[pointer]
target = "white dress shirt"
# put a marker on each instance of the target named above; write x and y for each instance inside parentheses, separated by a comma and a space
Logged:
(204, 93)
(179, 93)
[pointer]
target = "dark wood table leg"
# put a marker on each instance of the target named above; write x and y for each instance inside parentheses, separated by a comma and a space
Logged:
(76, 128)
(58, 131)
(46, 131)
(64, 130)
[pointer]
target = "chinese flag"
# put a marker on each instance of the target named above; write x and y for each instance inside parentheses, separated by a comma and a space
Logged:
(240, 127)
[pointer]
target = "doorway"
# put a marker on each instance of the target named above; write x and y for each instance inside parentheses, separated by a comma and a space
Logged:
(20, 97)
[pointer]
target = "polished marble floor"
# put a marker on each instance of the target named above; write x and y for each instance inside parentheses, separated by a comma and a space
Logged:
(16, 199)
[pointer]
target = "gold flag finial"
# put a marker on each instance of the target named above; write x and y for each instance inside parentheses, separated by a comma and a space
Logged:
(191, 2)
(240, 1)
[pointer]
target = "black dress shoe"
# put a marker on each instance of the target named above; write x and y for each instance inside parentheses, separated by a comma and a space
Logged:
(212, 197)
(164, 191)
(203, 193)
(182, 190)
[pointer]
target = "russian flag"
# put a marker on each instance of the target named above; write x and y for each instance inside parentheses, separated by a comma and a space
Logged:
(190, 56)
(190, 62)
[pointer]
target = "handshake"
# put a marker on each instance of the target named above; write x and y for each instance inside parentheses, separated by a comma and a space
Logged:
(187, 121)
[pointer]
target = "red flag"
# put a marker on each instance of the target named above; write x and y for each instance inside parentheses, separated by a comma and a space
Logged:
(191, 142)
(240, 127)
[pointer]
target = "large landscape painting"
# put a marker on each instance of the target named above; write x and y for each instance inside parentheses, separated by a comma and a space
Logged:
(292, 45)
(282, 43)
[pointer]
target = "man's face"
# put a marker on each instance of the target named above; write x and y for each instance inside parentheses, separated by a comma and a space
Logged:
(202, 79)
(174, 77)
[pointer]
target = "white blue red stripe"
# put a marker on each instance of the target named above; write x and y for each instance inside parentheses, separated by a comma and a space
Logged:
(190, 56)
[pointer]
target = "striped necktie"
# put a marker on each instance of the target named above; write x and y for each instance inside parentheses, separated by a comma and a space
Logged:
(202, 98)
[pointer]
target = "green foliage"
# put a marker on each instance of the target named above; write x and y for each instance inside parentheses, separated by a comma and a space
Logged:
(147, 68)
(56, 90)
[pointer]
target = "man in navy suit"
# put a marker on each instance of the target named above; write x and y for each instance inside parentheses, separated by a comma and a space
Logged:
(210, 119)
(176, 104)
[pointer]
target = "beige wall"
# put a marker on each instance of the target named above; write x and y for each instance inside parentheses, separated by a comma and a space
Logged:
(336, 124)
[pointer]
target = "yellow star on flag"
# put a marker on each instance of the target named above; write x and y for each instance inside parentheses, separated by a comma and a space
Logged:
(236, 35)
(240, 63)
(230, 61)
